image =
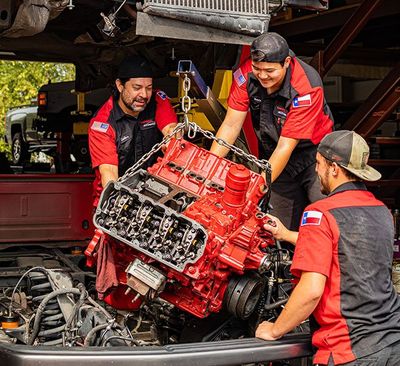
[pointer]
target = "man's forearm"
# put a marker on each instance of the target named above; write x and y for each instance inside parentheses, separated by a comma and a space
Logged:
(228, 135)
(301, 304)
(108, 173)
(281, 155)
(229, 130)
(291, 237)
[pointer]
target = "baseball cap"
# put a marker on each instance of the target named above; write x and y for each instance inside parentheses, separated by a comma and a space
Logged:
(269, 47)
(349, 150)
(134, 67)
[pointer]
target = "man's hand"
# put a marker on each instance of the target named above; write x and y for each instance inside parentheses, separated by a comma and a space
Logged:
(278, 230)
(168, 129)
(265, 331)
(108, 172)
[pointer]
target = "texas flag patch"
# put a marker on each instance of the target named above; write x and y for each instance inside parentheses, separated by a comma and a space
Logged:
(100, 126)
(311, 218)
(304, 101)
(239, 77)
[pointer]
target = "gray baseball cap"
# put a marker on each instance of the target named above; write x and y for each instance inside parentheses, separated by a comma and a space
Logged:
(349, 150)
(269, 47)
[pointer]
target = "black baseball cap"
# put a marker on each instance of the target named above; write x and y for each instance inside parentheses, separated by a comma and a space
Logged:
(134, 67)
(349, 150)
(269, 47)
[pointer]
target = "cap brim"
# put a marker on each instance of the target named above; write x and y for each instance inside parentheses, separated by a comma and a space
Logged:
(369, 174)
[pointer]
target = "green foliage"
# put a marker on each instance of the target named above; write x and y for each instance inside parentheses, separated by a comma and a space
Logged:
(20, 82)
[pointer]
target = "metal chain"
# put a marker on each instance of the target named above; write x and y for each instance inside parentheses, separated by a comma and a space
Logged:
(263, 164)
(132, 170)
(192, 128)
(186, 103)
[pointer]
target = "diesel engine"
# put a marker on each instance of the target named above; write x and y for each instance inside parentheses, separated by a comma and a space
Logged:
(189, 231)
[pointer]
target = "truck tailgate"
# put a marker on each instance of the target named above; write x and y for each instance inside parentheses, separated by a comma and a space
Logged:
(45, 207)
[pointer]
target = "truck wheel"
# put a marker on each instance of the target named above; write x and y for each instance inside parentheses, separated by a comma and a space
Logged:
(19, 150)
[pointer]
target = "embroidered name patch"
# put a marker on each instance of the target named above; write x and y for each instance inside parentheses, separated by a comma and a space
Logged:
(148, 123)
(304, 101)
(100, 126)
(311, 218)
(239, 77)
(281, 112)
(162, 95)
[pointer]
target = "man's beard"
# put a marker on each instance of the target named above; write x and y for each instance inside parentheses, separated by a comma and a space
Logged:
(131, 105)
(324, 183)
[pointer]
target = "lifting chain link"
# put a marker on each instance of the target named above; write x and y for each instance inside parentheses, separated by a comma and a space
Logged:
(192, 128)
(263, 164)
(157, 147)
(186, 103)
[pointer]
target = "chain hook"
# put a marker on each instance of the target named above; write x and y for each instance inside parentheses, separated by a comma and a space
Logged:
(191, 133)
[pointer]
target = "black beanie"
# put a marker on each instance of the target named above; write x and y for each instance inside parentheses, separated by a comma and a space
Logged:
(134, 67)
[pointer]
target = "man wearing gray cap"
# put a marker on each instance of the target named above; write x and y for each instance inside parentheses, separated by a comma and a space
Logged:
(289, 115)
(342, 261)
(128, 124)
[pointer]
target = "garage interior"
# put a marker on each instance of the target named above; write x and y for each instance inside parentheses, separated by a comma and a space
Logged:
(354, 45)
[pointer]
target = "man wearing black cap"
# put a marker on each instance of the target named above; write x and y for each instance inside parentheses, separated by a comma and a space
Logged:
(289, 115)
(343, 258)
(129, 124)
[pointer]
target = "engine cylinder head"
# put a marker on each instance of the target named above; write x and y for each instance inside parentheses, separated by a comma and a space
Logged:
(236, 185)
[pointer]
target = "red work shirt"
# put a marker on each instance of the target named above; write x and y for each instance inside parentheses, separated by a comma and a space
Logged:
(297, 110)
(119, 139)
(307, 117)
(348, 237)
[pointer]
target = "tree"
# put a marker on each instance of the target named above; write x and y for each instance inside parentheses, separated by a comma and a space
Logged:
(20, 82)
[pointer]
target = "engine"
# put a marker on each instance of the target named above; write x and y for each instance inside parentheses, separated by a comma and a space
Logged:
(189, 257)
(188, 231)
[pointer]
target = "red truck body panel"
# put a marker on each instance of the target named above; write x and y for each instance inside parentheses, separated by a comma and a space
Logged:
(45, 207)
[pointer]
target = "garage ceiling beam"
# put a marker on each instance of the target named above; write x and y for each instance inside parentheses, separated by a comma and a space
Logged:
(353, 54)
(324, 60)
(311, 26)
(378, 107)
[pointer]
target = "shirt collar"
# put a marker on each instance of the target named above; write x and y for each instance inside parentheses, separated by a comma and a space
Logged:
(284, 90)
(119, 113)
(349, 186)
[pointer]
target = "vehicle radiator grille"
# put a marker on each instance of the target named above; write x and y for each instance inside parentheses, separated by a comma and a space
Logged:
(241, 16)
(248, 7)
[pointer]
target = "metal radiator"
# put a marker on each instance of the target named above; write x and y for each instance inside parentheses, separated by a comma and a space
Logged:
(249, 17)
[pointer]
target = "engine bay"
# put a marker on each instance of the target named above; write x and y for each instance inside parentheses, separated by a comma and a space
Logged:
(180, 255)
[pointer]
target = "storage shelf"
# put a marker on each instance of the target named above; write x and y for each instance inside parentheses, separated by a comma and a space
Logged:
(384, 162)
(387, 140)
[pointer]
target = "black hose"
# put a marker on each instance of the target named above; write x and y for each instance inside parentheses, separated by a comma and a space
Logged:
(51, 331)
(276, 304)
(56, 342)
(42, 306)
(92, 332)
(126, 339)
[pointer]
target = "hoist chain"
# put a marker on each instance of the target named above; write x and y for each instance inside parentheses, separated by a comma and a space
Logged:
(192, 128)
(157, 147)
(186, 102)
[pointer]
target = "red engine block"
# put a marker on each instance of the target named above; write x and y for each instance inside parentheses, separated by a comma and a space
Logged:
(225, 205)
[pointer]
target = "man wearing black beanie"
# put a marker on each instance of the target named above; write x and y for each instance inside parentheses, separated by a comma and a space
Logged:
(128, 124)
(285, 98)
